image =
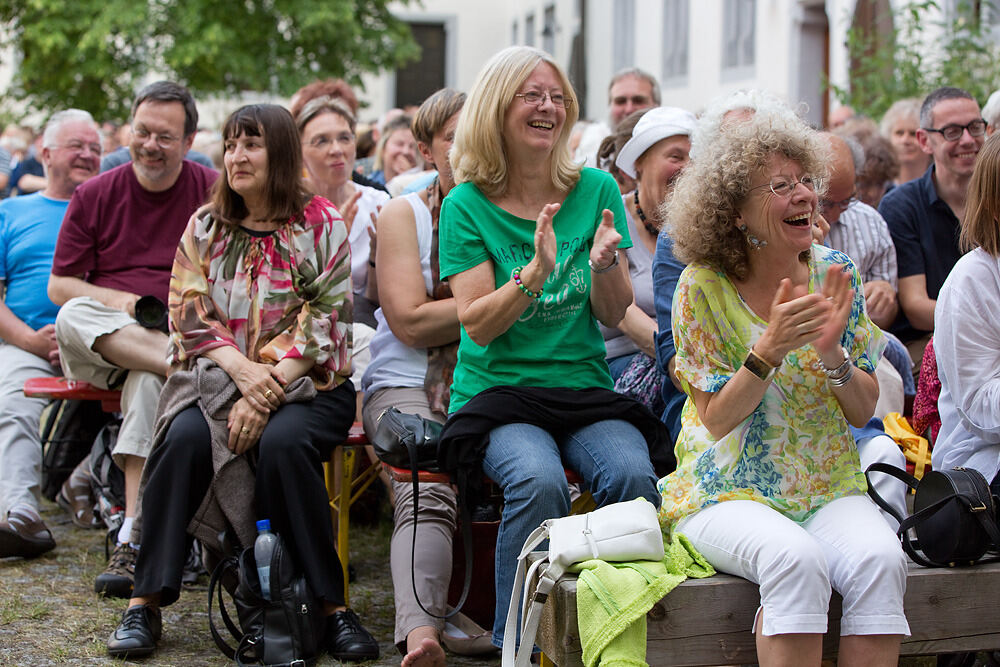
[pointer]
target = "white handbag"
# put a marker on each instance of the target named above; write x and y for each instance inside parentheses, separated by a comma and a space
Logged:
(618, 532)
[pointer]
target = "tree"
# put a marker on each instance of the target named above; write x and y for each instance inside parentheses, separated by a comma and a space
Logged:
(964, 55)
(94, 54)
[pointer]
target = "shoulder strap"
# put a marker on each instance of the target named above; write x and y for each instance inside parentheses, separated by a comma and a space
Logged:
(466, 519)
(511, 657)
(899, 474)
(215, 590)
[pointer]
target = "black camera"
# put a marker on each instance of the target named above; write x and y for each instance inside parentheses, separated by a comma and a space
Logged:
(151, 313)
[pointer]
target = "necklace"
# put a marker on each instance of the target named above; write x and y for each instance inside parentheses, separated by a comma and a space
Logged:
(642, 216)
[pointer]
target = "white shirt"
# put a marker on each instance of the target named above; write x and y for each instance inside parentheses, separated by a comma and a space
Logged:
(967, 347)
(371, 199)
(863, 235)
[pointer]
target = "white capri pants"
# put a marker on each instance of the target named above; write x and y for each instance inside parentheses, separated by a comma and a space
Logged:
(846, 545)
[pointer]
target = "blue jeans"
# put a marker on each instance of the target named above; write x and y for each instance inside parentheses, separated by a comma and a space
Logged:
(528, 463)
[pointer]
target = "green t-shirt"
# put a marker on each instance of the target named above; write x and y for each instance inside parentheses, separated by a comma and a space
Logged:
(555, 342)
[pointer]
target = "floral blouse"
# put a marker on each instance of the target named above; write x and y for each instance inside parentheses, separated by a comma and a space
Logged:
(284, 294)
(794, 452)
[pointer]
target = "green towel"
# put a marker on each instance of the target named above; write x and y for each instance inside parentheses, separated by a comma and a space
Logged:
(612, 600)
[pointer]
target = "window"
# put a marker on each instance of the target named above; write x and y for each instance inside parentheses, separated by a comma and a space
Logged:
(529, 30)
(675, 39)
(623, 46)
(738, 41)
(513, 33)
(549, 30)
(417, 80)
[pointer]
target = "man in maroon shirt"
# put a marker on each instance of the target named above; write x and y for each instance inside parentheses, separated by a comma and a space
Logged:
(116, 245)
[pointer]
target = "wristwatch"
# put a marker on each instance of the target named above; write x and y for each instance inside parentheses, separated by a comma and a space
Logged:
(759, 367)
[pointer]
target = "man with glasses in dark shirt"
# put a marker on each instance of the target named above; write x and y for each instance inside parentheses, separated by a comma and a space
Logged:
(923, 215)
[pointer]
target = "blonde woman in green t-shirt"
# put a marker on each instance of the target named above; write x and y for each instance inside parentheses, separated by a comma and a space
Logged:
(530, 243)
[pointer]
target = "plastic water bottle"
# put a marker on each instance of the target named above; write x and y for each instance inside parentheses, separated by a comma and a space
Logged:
(263, 548)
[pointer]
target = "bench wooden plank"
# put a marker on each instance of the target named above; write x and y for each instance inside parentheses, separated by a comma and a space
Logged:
(707, 621)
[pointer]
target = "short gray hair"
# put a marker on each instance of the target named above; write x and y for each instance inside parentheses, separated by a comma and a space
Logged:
(60, 118)
(857, 153)
(991, 111)
(639, 74)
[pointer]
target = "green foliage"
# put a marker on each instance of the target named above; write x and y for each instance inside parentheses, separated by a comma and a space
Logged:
(94, 54)
(910, 64)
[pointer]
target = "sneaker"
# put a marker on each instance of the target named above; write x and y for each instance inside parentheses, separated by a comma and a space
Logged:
(116, 580)
(347, 639)
(77, 497)
(24, 536)
(141, 626)
(193, 567)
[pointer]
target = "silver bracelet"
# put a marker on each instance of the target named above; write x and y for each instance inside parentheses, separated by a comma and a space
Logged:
(842, 380)
(840, 371)
(613, 264)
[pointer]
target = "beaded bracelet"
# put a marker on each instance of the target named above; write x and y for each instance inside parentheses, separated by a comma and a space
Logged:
(517, 281)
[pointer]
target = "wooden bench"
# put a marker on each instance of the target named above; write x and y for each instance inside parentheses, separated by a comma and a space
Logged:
(707, 621)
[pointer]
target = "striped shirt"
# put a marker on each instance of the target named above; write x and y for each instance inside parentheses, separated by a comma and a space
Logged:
(862, 234)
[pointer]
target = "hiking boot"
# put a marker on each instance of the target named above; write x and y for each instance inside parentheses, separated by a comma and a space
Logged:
(77, 497)
(24, 536)
(137, 633)
(116, 580)
(347, 639)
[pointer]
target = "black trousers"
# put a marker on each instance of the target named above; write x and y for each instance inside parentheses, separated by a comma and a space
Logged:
(289, 490)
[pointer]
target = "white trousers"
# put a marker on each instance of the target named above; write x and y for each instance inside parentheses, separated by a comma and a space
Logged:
(883, 449)
(81, 321)
(20, 443)
(845, 545)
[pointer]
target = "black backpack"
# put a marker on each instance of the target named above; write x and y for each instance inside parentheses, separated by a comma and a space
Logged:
(106, 479)
(68, 433)
(283, 631)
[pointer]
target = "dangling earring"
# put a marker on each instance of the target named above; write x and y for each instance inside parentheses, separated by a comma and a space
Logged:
(754, 242)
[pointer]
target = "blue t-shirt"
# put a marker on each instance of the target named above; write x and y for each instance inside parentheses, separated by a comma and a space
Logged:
(29, 227)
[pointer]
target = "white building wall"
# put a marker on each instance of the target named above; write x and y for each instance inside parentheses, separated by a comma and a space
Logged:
(473, 32)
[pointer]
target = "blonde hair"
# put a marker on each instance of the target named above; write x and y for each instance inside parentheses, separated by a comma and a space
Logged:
(395, 125)
(702, 213)
(981, 222)
(479, 154)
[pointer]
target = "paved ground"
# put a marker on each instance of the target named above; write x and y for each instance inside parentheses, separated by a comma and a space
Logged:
(49, 614)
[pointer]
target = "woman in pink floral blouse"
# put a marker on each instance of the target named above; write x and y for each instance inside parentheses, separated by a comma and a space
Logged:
(260, 324)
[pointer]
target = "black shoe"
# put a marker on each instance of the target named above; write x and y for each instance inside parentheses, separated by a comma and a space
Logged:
(347, 639)
(116, 580)
(136, 635)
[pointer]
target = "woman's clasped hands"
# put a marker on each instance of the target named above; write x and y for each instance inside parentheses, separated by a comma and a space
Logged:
(798, 318)
(261, 386)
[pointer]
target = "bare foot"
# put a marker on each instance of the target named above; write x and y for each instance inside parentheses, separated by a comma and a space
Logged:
(428, 654)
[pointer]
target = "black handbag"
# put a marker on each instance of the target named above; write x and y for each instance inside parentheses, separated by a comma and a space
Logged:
(284, 631)
(398, 433)
(954, 516)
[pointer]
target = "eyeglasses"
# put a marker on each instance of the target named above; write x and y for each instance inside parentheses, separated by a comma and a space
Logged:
(783, 187)
(164, 141)
(536, 98)
(841, 205)
(80, 147)
(954, 132)
(636, 100)
(322, 142)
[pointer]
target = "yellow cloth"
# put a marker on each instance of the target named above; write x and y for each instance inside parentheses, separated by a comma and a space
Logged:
(916, 449)
(612, 600)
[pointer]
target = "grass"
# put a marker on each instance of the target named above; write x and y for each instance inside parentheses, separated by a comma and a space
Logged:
(49, 614)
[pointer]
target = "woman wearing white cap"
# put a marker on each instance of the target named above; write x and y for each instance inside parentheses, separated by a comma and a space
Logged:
(654, 155)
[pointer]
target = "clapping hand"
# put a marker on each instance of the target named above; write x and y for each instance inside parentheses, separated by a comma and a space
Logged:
(606, 240)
